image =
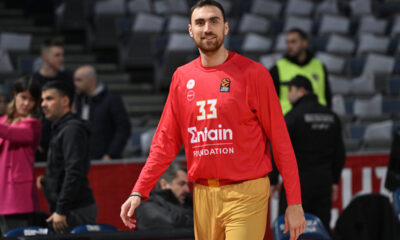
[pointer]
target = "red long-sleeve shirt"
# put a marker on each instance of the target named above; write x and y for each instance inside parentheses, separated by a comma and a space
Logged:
(224, 116)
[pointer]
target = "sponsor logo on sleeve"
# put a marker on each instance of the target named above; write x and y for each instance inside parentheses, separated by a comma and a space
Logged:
(190, 84)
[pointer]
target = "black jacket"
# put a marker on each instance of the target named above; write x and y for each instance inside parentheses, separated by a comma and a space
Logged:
(393, 172)
(110, 123)
(62, 76)
(316, 135)
(368, 217)
(66, 184)
(275, 76)
(163, 210)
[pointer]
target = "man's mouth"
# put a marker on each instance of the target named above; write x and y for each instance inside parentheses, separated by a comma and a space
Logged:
(209, 37)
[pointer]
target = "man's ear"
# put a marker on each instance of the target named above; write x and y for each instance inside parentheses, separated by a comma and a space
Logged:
(190, 30)
(65, 101)
(226, 28)
(163, 184)
(44, 55)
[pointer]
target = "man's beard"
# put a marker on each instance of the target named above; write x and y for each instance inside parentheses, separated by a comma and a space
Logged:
(298, 53)
(209, 47)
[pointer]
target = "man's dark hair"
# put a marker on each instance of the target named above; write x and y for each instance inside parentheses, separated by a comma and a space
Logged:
(171, 173)
(302, 34)
(62, 88)
(202, 3)
(50, 42)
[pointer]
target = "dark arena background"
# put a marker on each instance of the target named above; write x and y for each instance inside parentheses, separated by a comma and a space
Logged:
(136, 45)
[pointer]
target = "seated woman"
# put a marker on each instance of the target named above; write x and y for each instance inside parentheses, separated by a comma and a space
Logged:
(20, 131)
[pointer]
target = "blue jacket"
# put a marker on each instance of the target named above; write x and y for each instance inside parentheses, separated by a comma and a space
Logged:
(110, 125)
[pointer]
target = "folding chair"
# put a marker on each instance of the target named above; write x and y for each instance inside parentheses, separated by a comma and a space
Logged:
(98, 227)
(28, 231)
(314, 229)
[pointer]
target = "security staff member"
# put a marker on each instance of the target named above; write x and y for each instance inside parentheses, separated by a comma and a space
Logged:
(316, 135)
(300, 61)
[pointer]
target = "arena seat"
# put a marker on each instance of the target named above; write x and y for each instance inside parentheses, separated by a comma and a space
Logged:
(98, 227)
(299, 8)
(255, 45)
(369, 43)
(369, 24)
(314, 229)
(28, 231)
(333, 63)
(394, 86)
(266, 8)
(253, 23)
(338, 44)
(304, 23)
(334, 24)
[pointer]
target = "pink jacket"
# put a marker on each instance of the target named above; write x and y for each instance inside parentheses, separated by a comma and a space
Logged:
(17, 154)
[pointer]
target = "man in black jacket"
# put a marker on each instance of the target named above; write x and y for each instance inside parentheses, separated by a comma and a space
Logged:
(65, 183)
(106, 113)
(316, 135)
(169, 206)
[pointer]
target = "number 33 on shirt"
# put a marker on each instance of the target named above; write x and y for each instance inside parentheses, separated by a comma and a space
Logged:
(207, 109)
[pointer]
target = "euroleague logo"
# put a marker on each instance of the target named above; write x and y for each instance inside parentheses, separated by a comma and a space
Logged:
(190, 94)
(225, 85)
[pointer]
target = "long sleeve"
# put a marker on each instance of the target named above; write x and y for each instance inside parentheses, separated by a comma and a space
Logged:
(27, 132)
(270, 115)
(76, 165)
(340, 155)
(164, 148)
(122, 128)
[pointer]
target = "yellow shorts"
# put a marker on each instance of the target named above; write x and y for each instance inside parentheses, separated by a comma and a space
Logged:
(231, 212)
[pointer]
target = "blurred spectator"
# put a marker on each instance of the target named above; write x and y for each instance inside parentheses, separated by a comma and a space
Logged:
(169, 206)
(367, 217)
(106, 113)
(52, 53)
(65, 183)
(3, 101)
(19, 136)
(393, 173)
(300, 61)
(316, 135)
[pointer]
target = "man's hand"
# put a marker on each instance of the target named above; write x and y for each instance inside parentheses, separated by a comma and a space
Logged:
(295, 222)
(335, 192)
(106, 157)
(39, 182)
(59, 222)
(127, 211)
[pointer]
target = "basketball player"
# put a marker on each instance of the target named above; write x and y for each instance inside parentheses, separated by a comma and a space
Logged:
(224, 109)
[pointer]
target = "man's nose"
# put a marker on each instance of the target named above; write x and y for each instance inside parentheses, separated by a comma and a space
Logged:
(186, 188)
(207, 27)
